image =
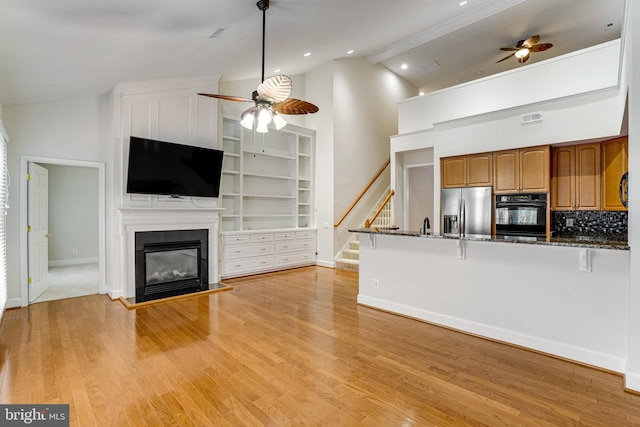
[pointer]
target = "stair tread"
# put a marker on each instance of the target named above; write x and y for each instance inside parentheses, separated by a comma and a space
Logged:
(348, 261)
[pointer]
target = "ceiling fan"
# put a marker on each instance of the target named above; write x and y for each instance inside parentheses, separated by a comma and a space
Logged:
(271, 99)
(524, 47)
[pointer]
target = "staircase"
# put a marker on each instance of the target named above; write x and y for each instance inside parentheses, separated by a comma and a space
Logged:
(350, 255)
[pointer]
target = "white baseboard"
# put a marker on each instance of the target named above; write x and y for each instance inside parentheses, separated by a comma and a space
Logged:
(73, 261)
(114, 293)
(13, 303)
(325, 264)
(632, 381)
(566, 351)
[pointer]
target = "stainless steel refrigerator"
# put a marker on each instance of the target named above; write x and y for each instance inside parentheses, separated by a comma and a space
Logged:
(466, 212)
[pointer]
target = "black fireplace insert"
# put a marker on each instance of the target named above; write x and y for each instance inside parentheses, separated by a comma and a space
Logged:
(170, 263)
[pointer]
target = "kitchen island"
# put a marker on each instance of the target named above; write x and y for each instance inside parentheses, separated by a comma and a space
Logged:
(565, 297)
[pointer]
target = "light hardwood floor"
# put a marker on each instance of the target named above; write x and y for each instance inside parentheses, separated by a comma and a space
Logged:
(289, 348)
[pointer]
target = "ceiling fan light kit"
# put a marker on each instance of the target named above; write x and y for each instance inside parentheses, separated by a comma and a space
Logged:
(271, 99)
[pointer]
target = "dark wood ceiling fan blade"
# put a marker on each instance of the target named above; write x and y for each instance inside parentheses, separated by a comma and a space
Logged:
(295, 106)
(226, 97)
(508, 49)
(541, 47)
(506, 57)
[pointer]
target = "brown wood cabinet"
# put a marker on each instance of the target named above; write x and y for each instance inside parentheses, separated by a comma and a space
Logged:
(575, 177)
(615, 162)
(521, 170)
(474, 170)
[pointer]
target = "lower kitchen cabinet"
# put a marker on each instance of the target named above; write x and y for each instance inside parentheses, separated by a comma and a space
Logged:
(244, 252)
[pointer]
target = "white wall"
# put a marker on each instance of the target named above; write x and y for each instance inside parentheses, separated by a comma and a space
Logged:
(73, 214)
(319, 91)
(365, 103)
(66, 129)
(420, 197)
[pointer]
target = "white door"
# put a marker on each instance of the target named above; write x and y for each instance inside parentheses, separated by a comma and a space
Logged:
(38, 200)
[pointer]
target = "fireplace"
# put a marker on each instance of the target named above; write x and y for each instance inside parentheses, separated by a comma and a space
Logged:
(169, 263)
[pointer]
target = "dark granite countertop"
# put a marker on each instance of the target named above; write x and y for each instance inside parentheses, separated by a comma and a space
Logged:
(574, 242)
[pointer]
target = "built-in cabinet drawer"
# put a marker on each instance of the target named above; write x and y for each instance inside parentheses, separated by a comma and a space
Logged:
(295, 258)
(236, 240)
(244, 266)
(294, 246)
(244, 253)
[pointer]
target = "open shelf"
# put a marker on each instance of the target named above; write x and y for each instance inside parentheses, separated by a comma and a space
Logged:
(266, 178)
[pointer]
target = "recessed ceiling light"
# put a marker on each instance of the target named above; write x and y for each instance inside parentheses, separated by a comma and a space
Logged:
(462, 3)
(277, 70)
(404, 66)
(421, 93)
(349, 52)
(307, 54)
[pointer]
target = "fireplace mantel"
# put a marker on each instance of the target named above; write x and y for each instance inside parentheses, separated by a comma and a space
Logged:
(141, 217)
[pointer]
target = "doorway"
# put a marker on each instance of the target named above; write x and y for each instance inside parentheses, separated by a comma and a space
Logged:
(71, 216)
(418, 197)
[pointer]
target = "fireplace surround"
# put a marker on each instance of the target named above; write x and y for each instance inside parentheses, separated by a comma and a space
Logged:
(140, 219)
(170, 263)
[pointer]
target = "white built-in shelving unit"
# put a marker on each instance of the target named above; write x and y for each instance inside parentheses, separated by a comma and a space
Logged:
(266, 190)
(266, 178)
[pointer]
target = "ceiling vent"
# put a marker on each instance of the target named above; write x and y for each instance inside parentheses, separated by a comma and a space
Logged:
(532, 117)
(217, 33)
(428, 67)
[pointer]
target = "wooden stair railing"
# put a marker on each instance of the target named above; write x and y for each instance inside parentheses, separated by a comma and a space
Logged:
(369, 221)
(355, 202)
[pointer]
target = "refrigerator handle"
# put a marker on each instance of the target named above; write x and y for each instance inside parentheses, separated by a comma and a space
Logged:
(463, 209)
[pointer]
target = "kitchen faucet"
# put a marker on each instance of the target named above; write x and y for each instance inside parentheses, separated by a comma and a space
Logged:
(425, 225)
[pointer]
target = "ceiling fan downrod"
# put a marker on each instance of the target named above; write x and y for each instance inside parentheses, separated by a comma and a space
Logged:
(263, 5)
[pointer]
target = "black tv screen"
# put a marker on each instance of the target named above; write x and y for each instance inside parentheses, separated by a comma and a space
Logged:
(167, 168)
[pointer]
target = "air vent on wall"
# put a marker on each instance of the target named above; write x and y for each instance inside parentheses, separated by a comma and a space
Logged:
(532, 117)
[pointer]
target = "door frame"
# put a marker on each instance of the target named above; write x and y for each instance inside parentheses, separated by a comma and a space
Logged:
(24, 219)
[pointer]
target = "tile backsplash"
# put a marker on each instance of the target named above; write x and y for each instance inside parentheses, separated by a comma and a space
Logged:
(611, 225)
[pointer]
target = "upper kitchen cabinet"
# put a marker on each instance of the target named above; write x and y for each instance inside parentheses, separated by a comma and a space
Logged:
(615, 164)
(467, 171)
(575, 180)
(521, 170)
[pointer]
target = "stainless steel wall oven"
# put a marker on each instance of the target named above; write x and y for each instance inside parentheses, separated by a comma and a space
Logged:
(522, 215)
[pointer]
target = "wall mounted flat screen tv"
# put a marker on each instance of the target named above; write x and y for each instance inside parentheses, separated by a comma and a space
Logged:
(167, 168)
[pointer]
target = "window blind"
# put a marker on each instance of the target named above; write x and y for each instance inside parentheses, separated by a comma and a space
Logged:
(4, 205)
